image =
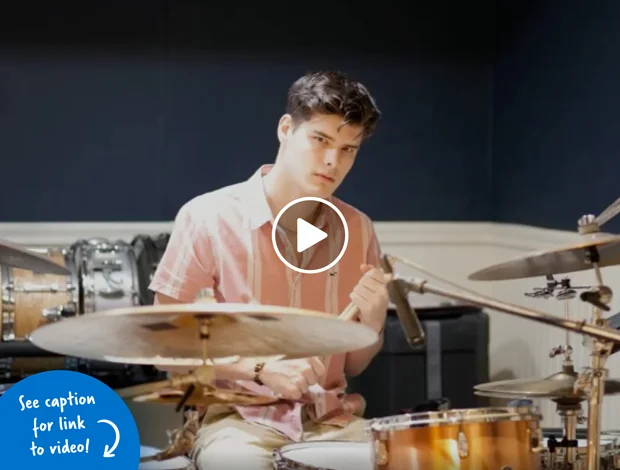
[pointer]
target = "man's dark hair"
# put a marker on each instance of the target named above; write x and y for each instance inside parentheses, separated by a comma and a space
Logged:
(332, 93)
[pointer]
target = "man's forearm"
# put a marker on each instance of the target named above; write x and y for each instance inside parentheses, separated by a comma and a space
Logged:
(357, 361)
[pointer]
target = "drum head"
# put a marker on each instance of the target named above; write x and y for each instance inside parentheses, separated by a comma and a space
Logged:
(177, 463)
(328, 455)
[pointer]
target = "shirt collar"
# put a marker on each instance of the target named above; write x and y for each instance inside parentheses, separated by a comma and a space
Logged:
(260, 212)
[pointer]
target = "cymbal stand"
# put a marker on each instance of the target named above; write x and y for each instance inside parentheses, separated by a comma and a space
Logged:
(592, 382)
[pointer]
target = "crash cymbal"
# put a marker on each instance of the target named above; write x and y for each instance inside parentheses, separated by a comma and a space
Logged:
(559, 385)
(163, 335)
(204, 396)
(565, 259)
(15, 256)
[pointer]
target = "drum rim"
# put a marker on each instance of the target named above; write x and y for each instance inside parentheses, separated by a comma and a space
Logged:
(278, 454)
(456, 416)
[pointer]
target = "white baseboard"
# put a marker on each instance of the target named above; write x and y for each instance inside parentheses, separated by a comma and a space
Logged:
(519, 237)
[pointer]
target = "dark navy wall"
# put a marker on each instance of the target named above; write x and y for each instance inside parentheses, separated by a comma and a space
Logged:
(124, 112)
(556, 132)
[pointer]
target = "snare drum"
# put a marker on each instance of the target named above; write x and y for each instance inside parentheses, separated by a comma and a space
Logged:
(108, 274)
(175, 463)
(31, 300)
(323, 455)
(466, 439)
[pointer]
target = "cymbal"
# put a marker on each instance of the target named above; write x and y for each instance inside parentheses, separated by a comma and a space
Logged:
(559, 385)
(163, 335)
(16, 256)
(203, 396)
(566, 259)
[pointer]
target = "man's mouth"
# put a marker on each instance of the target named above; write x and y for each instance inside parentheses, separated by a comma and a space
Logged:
(325, 177)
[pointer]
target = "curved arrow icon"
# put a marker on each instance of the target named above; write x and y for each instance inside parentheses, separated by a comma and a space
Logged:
(107, 452)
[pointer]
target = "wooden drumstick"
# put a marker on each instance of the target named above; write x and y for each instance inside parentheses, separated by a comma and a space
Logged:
(349, 313)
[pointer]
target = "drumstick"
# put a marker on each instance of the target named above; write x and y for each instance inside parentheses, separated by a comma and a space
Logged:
(350, 313)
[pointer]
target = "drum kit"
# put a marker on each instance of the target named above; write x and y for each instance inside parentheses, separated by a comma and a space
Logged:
(200, 334)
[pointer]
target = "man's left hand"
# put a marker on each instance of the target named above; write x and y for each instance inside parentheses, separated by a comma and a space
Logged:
(371, 297)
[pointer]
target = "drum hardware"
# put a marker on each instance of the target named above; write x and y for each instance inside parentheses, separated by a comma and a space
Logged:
(591, 381)
(593, 250)
(60, 312)
(564, 289)
(15, 256)
(181, 440)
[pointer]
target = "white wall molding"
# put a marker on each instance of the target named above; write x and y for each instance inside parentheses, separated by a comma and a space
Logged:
(518, 347)
(518, 237)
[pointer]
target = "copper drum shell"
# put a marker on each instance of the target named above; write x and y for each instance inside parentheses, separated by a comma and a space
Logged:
(507, 438)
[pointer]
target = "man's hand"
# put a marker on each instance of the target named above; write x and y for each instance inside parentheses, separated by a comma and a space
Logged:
(291, 379)
(371, 297)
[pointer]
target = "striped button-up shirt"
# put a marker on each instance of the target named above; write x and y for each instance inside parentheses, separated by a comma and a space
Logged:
(223, 240)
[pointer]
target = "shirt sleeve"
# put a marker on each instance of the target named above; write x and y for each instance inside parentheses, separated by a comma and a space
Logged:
(187, 265)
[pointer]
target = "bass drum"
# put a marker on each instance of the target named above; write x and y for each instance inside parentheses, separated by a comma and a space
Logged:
(108, 274)
(29, 301)
(148, 252)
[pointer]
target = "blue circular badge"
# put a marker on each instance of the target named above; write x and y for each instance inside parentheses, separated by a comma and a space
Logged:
(64, 419)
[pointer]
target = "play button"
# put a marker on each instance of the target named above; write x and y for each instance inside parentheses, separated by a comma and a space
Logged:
(311, 249)
(308, 235)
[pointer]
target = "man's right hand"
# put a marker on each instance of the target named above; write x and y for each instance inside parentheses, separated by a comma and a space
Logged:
(292, 378)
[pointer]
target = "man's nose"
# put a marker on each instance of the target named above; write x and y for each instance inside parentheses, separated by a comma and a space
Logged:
(331, 157)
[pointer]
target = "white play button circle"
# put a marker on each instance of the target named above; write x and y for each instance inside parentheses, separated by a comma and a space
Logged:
(309, 235)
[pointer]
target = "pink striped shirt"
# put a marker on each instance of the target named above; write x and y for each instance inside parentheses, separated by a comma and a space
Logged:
(222, 240)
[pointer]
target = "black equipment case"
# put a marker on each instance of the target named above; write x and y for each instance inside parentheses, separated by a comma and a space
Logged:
(454, 359)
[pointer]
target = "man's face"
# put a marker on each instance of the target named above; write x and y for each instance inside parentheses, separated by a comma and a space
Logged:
(319, 153)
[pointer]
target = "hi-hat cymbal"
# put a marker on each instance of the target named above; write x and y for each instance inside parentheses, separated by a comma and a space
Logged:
(203, 396)
(163, 335)
(559, 385)
(566, 259)
(16, 256)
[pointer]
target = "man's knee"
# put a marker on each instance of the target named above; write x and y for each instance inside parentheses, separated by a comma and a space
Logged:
(231, 448)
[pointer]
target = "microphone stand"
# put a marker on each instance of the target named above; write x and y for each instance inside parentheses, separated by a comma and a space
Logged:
(592, 381)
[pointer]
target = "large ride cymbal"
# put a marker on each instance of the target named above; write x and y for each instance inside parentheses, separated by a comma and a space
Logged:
(559, 385)
(170, 334)
(15, 256)
(566, 259)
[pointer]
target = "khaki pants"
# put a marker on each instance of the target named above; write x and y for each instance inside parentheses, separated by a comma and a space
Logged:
(230, 443)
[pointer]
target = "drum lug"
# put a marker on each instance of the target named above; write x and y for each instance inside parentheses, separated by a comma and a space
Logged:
(536, 440)
(380, 452)
(462, 445)
(60, 312)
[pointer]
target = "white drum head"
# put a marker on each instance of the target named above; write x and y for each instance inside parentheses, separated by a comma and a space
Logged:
(332, 455)
(177, 463)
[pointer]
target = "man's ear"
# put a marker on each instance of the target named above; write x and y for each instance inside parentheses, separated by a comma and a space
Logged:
(285, 127)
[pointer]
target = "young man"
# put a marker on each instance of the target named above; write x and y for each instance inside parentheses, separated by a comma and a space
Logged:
(223, 240)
